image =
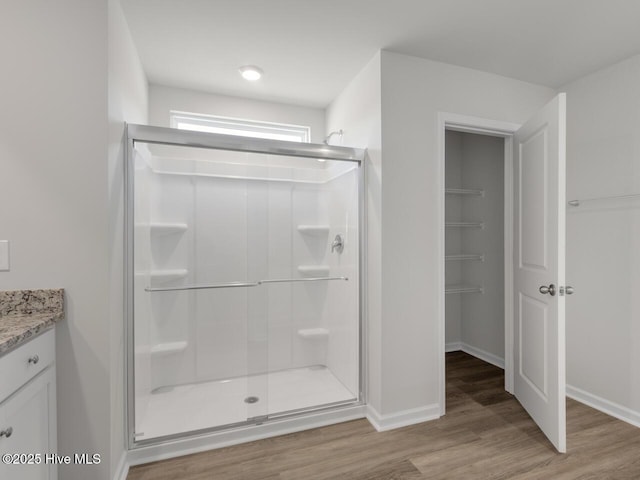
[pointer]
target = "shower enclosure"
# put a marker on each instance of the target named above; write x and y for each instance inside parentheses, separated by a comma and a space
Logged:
(243, 272)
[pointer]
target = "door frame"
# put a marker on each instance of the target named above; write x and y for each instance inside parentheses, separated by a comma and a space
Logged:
(495, 128)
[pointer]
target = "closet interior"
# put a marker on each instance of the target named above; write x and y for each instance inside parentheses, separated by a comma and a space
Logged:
(474, 245)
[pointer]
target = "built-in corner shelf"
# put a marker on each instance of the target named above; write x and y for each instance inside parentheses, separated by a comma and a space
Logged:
(169, 348)
(162, 276)
(463, 257)
(464, 224)
(464, 191)
(313, 333)
(315, 230)
(463, 289)
(314, 270)
(160, 229)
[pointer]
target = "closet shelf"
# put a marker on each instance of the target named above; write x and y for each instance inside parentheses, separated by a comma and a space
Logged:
(313, 229)
(168, 275)
(314, 270)
(160, 229)
(464, 224)
(464, 191)
(463, 289)
(463, 257)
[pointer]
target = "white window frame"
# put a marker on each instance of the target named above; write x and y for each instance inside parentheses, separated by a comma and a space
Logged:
(239, 126)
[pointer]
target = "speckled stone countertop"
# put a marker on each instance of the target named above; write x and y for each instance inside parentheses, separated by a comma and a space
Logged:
(26, 313)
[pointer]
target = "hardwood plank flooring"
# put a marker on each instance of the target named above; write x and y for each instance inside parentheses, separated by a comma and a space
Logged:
(485, 434)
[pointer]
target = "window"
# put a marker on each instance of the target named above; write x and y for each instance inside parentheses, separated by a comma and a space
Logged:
(238, 126)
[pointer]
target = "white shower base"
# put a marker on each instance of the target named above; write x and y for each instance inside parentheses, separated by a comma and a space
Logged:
(197, 406)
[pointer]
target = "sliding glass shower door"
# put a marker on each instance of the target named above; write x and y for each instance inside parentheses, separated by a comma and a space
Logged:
(245, 288)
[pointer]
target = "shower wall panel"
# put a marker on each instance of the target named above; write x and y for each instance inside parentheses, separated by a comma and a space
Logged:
(172, 357)
(142, 266)
(247, 231)
(341, 309)
(221, 256)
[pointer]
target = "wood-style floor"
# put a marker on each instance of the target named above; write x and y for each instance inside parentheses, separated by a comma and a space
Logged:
(484, 435)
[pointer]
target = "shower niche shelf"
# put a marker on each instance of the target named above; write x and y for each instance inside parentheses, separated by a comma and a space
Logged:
(465, 191)
(168, 348)
(461, 257)
(161, 229)
(164, 276)
(449, 289)
(313, 230)
(314, 270)
(313, 333)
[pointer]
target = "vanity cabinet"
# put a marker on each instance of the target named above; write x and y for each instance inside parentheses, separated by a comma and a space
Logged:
(28, 409)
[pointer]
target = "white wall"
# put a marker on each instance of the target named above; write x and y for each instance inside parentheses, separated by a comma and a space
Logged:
(127, 102)
(65, 228)
(413, 92)
(453, 239)
(603, 259)
(483, 315)
(164, 99)
(54, 196)
(357, 110)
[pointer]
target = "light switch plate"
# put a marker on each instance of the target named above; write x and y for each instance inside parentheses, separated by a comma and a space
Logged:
(4, 255)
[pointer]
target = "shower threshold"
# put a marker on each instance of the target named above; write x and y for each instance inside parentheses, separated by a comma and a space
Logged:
(197, 406)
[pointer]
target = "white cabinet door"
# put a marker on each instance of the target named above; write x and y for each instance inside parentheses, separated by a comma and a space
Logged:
(29, 414)
(539, 263)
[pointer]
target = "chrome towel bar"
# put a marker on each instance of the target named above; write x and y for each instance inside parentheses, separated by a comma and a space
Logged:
(241, 284)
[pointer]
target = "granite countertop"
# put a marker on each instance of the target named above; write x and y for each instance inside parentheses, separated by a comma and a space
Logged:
(26, 313)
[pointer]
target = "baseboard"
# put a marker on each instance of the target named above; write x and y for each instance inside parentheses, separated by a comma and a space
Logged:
(122, 470)
(618, 411)
(483, 355)
(476, 352)
(401, 419)
(453, 347)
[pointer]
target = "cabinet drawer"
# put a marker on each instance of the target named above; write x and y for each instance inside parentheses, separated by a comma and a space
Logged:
(26, 361)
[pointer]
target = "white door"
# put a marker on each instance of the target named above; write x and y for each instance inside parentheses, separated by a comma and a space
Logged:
(539, 263)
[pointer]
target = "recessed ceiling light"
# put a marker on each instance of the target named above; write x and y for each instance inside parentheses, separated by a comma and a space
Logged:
(251, 73)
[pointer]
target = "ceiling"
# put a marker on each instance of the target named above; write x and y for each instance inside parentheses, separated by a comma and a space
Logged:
(311, 49)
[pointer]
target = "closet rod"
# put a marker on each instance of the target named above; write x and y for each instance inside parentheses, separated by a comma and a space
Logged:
(577, 202)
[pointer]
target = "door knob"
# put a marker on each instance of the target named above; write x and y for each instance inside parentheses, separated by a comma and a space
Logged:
(551, 289)
(568, 290)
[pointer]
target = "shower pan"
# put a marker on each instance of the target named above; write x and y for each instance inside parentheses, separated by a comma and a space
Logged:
(243, 282)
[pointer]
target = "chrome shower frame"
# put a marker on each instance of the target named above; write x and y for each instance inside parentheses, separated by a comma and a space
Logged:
(175, 137)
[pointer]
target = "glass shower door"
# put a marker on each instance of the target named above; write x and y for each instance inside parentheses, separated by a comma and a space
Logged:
(246, 291)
